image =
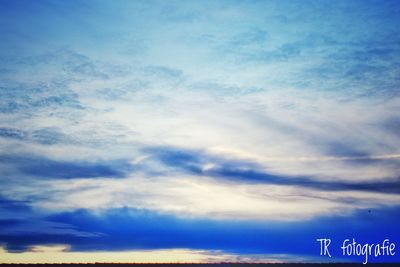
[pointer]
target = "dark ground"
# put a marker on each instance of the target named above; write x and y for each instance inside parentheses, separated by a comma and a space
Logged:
(211, 265)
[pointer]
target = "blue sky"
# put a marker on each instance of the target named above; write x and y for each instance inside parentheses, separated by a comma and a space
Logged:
(198, 130)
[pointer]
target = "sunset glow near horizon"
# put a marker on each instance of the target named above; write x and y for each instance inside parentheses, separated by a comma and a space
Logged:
(198, 131)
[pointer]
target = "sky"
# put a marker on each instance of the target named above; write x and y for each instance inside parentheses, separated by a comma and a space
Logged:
(198, 131)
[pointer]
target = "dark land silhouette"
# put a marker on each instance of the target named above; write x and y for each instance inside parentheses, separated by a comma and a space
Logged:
(207, 264)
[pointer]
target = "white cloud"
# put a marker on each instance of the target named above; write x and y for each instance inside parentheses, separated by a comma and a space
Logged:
(323, 135)
(191, 196)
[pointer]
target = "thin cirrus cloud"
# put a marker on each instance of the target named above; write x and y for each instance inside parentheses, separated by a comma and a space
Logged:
(235, 120)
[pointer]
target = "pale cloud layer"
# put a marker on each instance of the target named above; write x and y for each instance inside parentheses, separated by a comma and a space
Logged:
(327, 136)
(61, 254)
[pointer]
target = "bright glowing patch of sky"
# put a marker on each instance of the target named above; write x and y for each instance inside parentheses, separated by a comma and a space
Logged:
(226, 127)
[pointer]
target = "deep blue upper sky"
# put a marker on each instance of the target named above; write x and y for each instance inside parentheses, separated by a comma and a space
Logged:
(245, 128)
